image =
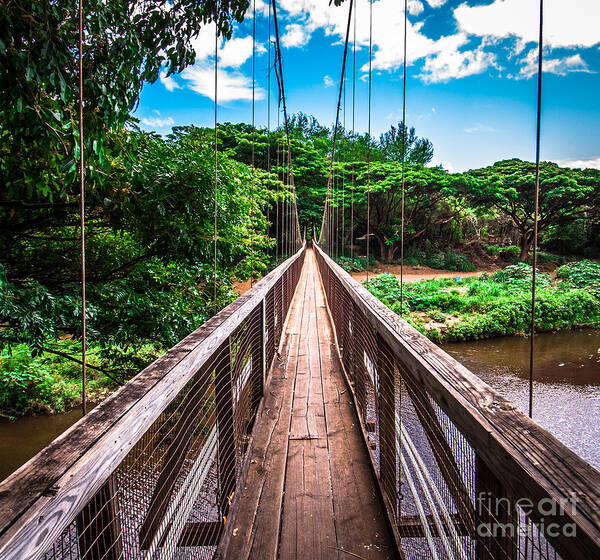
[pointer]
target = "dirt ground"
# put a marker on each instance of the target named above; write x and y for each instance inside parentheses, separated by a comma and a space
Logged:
(412, 274)
(242, 287)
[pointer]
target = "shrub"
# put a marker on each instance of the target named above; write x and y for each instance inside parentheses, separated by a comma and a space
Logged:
(28, 384)
(519, 275)
(581, 274)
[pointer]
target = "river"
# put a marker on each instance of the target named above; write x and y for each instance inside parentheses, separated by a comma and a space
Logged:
(566, 388)
(566, 392)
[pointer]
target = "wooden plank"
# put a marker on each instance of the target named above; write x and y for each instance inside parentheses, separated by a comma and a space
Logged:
(308, 525)
(388, 437)
(496, 513)
(225, 423)
(442, 453)
(528, 460)
(411, 526)
(201, 533)
(43, 497)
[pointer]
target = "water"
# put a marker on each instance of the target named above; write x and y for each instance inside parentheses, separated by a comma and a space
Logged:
(22, 439)
(566, 389)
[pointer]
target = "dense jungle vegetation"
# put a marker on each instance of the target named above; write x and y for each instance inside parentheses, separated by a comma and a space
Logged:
(149, 208)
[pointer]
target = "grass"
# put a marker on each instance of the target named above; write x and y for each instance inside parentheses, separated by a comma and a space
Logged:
(495, 305)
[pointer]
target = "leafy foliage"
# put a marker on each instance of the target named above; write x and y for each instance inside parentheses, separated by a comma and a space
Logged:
(489, 306)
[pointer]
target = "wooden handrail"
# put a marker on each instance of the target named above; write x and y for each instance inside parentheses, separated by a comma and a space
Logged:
(527, 459)
(40, 499)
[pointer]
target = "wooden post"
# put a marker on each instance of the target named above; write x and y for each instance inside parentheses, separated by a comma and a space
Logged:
(359, 369)
(497, 527)
(99, 526)
(258, 358)
(388, 441)
(225, 423)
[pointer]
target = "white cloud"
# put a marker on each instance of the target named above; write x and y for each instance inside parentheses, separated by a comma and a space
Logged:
(443, 58)
(158, 122)
(560, 66)
(328, 81)
(232, 85)
(456, 64)
(471, 50)
(235, 52)
(479, 128)
(169, 82)
(571, 24)
(581, 163)
(415, 7)
(447, 165)
(296, 35)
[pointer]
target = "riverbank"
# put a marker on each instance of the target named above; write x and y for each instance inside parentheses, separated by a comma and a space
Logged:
(498, 304)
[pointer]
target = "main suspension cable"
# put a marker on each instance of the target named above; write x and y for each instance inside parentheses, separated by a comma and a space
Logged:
(82, 216)
(285, 118)
(269, 127)
(337, 116)
(253, 141)
(536, 208)
(369, 137)
(216, 165)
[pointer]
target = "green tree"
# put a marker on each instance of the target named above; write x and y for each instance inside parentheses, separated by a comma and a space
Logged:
(432, 198)
(400, 140)
(508, 187)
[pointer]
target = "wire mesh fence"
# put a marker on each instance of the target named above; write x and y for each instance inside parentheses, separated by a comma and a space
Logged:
(160, 481)
(464, 475)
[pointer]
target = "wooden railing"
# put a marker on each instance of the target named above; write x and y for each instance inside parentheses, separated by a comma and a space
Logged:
(463, 473)
(156, 466)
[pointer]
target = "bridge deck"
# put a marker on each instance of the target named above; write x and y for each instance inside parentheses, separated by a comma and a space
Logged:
(310, 491)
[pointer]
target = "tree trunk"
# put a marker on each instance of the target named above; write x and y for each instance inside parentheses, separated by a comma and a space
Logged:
(390, 252)
(524, 244)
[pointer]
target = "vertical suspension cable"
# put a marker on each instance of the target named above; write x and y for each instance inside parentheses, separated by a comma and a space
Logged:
(404, 128)
(253, 139)
(536, 208)
(269, 124)
(343, 176)
(82, 216)
(277, 237)
(216, 163)
(369, 137)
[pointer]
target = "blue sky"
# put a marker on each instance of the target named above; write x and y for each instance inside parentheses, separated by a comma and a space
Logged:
(471, 77)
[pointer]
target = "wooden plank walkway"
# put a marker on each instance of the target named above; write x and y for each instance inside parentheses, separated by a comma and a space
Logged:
(310, 492)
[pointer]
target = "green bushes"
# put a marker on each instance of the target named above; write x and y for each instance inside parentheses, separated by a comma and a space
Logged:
(441, 260)
(520, 275)
(29, 385)
(495, 305)
(509, 253)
